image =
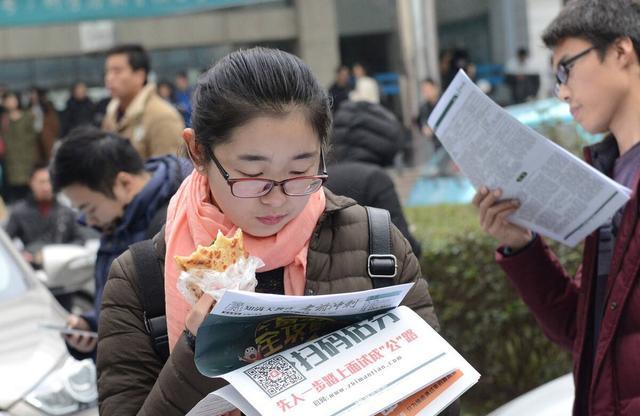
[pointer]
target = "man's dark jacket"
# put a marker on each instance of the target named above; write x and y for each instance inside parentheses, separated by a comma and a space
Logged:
(36, 230)
(77, 113)
(370, 185)
(366, 132)
(366, 137)
(141, 220)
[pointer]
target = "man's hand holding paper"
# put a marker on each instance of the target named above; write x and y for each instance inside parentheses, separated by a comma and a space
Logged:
(494, 218)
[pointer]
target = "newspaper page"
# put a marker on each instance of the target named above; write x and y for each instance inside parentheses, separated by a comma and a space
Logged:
(562, 197)
(393, 363)
(245, 327)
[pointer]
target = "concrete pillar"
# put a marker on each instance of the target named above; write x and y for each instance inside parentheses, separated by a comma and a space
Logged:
(410, 58)
(508, 25)
(419, 46)
(426, 39)
(318, 37)
(431, 43)
(539, 14)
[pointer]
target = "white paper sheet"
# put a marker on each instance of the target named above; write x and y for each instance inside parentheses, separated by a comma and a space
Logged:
(562, 197)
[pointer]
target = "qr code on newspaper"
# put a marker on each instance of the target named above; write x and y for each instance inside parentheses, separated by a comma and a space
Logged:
(234, 307)
(275, 375)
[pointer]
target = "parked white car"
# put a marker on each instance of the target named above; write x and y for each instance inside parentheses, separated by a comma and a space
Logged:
(554, 398)
(37, 374)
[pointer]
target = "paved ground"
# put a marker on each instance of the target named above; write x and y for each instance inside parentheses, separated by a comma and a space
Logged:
(405, 179)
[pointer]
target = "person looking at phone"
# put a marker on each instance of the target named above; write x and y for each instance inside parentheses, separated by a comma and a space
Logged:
(117, 193)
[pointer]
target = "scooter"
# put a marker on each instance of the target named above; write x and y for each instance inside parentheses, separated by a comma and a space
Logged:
(68, 272)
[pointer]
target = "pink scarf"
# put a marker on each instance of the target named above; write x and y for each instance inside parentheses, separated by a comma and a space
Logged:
(193, 220)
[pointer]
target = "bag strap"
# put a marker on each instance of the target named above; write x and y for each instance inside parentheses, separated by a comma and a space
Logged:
(382, 265)
(150, 281)
(158, 220)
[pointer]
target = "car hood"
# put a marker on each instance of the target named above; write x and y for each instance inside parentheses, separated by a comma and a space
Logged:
(554, 398)
(27, 352)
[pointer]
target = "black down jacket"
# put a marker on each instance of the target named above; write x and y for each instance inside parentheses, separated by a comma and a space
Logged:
(366, 132)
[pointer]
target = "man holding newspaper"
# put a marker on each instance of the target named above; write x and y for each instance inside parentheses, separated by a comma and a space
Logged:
(596, 51)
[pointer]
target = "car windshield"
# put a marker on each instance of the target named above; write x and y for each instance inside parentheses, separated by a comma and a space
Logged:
(12, 280)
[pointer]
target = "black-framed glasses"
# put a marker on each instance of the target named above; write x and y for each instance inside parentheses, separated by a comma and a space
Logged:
(257, 187)
(562, 73)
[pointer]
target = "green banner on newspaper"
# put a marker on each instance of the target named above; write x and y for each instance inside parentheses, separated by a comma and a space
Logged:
(38, 12)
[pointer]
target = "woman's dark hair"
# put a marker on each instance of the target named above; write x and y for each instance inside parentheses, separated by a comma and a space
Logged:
(254, 82)
(167, 84)
(8, 94)
(43, 100)
(38, 166)
(600, 22)
(75, 86)
(93, 158)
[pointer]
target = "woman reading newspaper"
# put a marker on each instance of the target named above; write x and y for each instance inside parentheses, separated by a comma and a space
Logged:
(260, 126)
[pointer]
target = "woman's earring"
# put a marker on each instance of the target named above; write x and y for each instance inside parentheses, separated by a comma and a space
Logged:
(200, 168)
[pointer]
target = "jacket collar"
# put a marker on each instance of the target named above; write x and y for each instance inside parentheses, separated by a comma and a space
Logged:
(165, 179)
(30, 200)
(336, 202)
(135, 109)
(603, 154)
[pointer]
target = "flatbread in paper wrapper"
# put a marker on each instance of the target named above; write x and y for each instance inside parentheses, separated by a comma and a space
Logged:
(223, 265)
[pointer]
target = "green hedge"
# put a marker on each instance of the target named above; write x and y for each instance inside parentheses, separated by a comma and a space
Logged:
(480, 312)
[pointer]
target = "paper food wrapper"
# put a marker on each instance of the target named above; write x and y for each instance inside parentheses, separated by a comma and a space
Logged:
(241, 275)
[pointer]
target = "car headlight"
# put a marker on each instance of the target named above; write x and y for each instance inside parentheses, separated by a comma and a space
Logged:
(67, 389)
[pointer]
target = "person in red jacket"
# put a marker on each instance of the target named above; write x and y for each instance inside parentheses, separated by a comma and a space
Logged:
(596, 314)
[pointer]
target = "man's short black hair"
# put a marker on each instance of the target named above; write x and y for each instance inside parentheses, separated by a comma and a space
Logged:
(137, 56)
(93, 158)
(600, 22)
(364, 67)
(37, 167)
(10, 93)
(429, 80)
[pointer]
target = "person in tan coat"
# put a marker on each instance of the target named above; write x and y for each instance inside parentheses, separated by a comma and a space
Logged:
(136, 111)
(261, 122)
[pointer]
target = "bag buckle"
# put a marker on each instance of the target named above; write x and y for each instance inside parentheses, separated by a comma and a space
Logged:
(382, 265)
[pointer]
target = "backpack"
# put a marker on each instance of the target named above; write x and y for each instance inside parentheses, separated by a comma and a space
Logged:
(381, 266)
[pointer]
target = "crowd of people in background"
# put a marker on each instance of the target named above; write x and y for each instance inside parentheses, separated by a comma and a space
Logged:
(30, 125)
(367, 138)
